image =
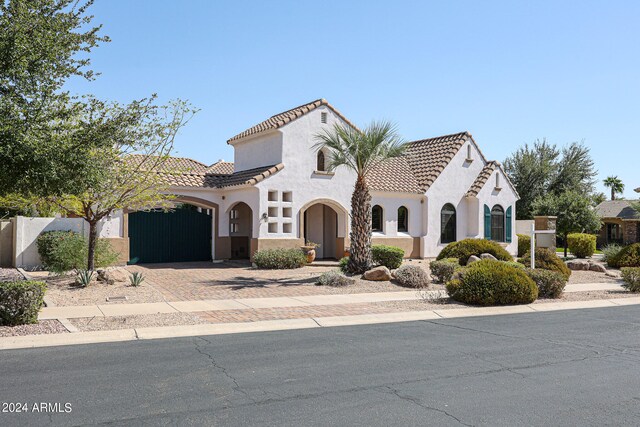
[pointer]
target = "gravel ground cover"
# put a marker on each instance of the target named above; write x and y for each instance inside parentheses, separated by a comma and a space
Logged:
(10, 275)
(40, 328)
(140, 321)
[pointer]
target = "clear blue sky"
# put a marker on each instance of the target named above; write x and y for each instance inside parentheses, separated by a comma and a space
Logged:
(508, 72)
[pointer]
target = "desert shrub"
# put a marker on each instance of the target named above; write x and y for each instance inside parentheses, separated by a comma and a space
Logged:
(490, 282)
(547, 259)
(20, 302)
(550, 283)
(463, 249)
(524, 244)
(412, 276)
(631, 278)
(629, 256)
(279, 258)
(611, 251)
(442, 271)
(515, 264)
(62, 251)
(389, 256)
(582, 245)
(342, 264)
(334, 278)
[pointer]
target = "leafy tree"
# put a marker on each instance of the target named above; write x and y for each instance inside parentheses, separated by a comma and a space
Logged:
(42, 44)
(597, 198)
(615, 184)
(574, 211)
(126, 148)
(542, 168)
(361, 152)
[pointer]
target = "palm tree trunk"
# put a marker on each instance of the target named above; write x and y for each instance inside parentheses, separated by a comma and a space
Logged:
(613, 194)
(360, 255)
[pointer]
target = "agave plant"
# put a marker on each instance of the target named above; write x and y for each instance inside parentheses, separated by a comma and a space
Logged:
(136, 279)
(84, 277)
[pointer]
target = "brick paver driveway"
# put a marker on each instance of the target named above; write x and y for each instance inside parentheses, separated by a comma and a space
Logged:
(233, 279)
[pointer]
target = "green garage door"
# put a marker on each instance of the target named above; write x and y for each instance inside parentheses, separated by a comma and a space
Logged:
(177, 236)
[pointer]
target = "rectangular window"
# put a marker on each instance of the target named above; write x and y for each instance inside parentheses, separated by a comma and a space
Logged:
(273, 196)
(287, 196)
(287, 212)
(323, 117)
(273, 212)
(286, 227)
(235, 227)
(233, 214)
(614, 233)
(273, 227)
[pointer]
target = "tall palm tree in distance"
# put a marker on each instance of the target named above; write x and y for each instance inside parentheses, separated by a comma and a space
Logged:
(361, 151)
(615, 184)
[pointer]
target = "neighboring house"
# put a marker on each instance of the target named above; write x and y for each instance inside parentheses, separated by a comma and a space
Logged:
(279, 193)
(620, 223)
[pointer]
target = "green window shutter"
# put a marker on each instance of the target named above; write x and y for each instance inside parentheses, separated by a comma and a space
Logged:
(487, 222)
(508, 225)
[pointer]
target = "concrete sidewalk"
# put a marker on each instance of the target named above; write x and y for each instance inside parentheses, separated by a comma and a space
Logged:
(109, 310)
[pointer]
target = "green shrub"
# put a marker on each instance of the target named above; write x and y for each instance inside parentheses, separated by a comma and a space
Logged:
(582, 245)
(547, 259)
(629, 256)
(342, 264)
(550, 283)
(20, 302)
(524, 244)
(442, 271)
(515, 264)
(490, 282)
(412, 276)
(611, 251)
(463, 249)
(631, 277)
(389, 256)
(280, 258)
(62, 251)
(335, 279)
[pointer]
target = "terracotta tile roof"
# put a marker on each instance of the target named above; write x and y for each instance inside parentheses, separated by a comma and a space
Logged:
(428, 157)
(171, 164)
(221, 168)
(281, 119)
(482, 178)
(394, 175)
(616, 209)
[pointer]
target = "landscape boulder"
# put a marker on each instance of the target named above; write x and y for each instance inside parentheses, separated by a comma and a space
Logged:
(597, 267)
(577, 264)
(472, 259)
(378, 274)
(488, 256)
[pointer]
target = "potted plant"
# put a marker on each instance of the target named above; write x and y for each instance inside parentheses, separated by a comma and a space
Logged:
(309, 250)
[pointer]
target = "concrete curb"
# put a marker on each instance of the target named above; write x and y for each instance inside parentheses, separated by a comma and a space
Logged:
(32, 341)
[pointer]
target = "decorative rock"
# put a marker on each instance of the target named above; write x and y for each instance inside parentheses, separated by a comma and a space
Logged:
(472, 259)
(613, 274)
(488, 256)
(597, 267)
(106, 277)
(378, 274)
(112, 275)
(578, 265)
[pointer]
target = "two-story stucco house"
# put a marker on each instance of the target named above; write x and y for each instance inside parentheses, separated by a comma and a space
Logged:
(278, 193)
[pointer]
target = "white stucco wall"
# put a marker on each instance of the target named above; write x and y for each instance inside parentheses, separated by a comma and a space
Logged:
(390, 202)
(262, 150)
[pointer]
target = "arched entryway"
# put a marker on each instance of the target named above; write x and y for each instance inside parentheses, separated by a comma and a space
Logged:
(240, 230)
(324, 222)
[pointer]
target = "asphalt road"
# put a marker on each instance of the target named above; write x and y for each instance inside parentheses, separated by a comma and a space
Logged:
(579, 367)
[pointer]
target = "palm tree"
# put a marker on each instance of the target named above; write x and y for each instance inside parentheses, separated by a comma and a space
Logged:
(361, 151)
(615, 184)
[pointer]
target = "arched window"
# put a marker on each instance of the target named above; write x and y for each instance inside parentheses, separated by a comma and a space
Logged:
(448, 224)
(403, 219)
(320, 166)
(497, 223)
(376, 218)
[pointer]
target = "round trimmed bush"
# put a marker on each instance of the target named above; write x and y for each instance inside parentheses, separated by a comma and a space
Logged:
(547, 259)
(442, 271)
(629, 256)
(20, 302)
(491, 282)
(463, 249)
(412, 276)
(335, 279)
(279, 258)
(389, 256)
(524, 244)
(550, 283)
(582, 245)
